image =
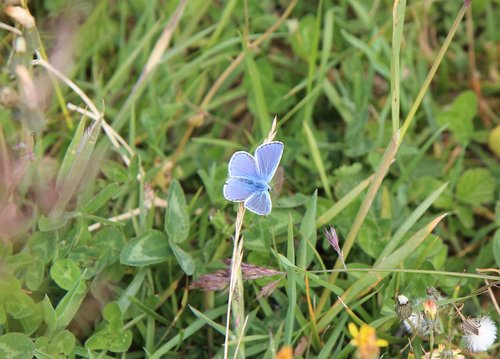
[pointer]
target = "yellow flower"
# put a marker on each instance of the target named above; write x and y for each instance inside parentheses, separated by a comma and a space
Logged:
(430, 309)
(365, 339)
(285, 353)
(443, 353)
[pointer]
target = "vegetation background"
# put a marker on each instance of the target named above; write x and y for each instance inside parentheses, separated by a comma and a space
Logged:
(117, 122)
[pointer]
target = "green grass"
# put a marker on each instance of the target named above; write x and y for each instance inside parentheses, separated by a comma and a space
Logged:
(118, 120)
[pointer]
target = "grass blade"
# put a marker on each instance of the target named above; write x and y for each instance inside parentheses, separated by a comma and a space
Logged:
(313, 146)
(398, 15)
(79, 160)
(260, 99)
(410, 221)
(330, 214)
(291, 288)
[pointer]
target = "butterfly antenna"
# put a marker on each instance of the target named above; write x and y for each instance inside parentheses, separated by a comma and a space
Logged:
(279, 181)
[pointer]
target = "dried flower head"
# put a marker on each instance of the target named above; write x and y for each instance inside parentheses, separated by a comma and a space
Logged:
(219, 279)
(479, 333)
(251, 271)
(268, 289)
(333, 239)
(213, 281)
(403, 307)
(365, 339)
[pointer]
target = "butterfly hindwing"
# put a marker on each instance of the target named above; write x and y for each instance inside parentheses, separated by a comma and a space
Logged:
(259, 203)
(268, 157)
(237, 190)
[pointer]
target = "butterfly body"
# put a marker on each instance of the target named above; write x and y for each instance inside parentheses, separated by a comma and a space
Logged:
(249, 177)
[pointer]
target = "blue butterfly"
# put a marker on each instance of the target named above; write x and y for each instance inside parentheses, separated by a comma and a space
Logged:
(249, 177)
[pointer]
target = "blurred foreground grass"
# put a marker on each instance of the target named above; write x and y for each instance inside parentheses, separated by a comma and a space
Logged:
(114, 144)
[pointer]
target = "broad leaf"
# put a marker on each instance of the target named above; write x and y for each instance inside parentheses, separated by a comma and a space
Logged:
(151, 247)
(177, 216)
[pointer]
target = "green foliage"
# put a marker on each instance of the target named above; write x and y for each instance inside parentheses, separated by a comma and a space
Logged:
(151, 247)
(476, 186)
(16, 346)
(459, 117)
(102, 237)
(177, 216)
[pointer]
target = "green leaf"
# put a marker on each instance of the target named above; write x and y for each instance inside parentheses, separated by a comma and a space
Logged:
(43, 245)
(49, 313)
(79, 163)
(46, 224)
(69, 156)
(110, 242)
(30, 323)
(466, 216)
(185, 260)
(113, 315)
(100, 199)
(301, 39)
(16, 346)
(260, 99)
(496, 246)
(18, 304)
(291, 286)
(475, 187)
(494, 141)
(459, 117)
(65, 273)
(285, 261)
(149, 310)
(308, 232)
(70, 303)
(375, 59)
(369, 239)
(114, 172)
(316, 156)
(34, 274)
(58, 346)
(151, 247)
(177, 216)
(112, 337)
(106, 340)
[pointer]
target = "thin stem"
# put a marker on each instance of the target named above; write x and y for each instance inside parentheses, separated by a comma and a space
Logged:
(414, 271)
(236, 283)
(10, 28)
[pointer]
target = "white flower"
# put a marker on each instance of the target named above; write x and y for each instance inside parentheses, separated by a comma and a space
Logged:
(415, 319)
(403, 307)
(402, 299)
(479, 333)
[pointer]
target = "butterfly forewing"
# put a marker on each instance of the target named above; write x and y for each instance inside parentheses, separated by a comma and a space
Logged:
(242, 164)
(268, 158)
(259, 203)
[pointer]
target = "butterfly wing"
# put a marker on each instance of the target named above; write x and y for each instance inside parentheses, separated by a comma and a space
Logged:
(268, 157)
(259, 203)
(242, 164)
(237, 189)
